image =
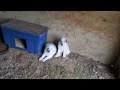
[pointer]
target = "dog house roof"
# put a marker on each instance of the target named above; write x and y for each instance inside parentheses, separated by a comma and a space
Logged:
(26, 26)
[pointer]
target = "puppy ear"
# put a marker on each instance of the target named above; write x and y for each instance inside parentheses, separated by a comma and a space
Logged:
(48, 50)
(60, 39)
(65, 40)
(61, 43)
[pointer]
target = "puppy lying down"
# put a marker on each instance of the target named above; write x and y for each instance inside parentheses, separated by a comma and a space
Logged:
(49, 51)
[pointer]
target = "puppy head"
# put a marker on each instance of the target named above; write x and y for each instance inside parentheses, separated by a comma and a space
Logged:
(63, 40)
(48, 50)
(48, 47)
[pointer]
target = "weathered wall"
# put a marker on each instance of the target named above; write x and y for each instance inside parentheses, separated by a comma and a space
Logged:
(94, 33)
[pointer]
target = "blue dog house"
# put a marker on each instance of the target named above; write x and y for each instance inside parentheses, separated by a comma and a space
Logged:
(32, 36)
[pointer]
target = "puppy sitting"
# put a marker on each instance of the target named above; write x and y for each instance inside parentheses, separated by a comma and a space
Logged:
(63, 48)
(50, 50)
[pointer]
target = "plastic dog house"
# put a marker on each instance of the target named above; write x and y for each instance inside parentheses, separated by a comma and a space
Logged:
(32, 36)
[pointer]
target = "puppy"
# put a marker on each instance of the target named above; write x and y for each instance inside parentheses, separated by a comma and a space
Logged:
(49, 52)
(63, 48)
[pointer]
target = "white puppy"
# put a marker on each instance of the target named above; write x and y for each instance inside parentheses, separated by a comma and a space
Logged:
(63, 48)
(50, 50)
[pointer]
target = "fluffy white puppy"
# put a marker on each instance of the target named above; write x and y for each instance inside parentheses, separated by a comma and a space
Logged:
(63, 48)
(49, 52)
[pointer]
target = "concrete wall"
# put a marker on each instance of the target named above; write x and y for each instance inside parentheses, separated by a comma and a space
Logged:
(91, 33)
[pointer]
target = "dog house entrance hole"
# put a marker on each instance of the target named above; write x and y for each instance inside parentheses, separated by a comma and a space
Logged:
(21, 43)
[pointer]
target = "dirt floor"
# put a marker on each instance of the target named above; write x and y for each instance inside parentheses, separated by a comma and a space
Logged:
(18, 64)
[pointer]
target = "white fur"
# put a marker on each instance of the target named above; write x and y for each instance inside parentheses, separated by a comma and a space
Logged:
(48, 54)
(63, 48)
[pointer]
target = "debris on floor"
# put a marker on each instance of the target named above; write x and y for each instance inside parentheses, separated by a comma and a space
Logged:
(3, 48)
(18, 64)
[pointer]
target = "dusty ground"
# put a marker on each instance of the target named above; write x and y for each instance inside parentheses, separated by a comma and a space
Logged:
(22, 65)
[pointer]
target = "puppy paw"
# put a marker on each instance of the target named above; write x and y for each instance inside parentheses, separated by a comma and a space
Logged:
(40, 59)
(56, 56)
(64, 56)
(43, 61)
